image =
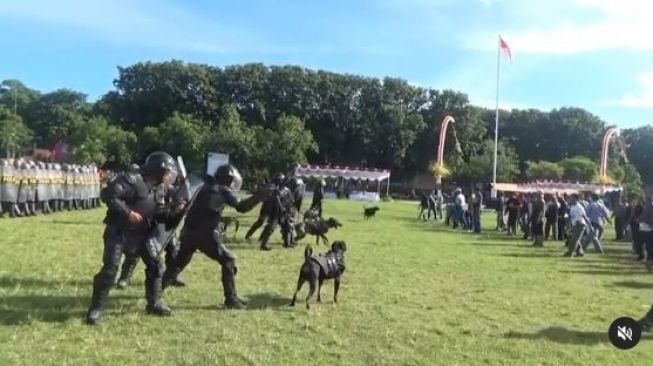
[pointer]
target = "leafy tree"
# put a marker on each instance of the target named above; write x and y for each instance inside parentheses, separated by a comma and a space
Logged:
(579, 168)
(55, 116)
(16, 97)
(479, 167)
(640, 150)
(14, 135)
(292, 142)
(632, 182)
(95, 140)
(544, 170)
(180, 134)
(121, 145)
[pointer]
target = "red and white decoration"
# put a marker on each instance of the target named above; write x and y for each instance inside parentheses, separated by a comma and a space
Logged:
(552, 187)
(318, 171)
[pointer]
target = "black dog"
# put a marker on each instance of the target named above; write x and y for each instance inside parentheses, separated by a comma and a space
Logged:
(318, 227)
(370, 212)
(326, 266)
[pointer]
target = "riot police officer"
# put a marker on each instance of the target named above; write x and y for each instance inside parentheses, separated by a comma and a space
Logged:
(275, 210)
(200, 231)
(135, 206)
(171, 248)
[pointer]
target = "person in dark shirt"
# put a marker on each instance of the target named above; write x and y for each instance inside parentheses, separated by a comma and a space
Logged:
(513, 206)
(318, 196)
(563, 210)
(537, 220)
(551, 216)
(501, 209)
(638, 242)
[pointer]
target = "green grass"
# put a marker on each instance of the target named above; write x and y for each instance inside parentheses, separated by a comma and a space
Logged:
(414, 294)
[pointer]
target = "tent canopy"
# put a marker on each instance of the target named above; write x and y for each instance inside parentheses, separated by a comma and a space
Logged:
(317, 171)
(552, 187)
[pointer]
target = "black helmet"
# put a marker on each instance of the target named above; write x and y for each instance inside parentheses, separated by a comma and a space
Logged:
(228, 175)
(278, 178)
(158, 162)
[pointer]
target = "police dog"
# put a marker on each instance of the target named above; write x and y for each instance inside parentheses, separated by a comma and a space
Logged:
(370, 212)
(326, 266)
(311, 214)
(318, 227)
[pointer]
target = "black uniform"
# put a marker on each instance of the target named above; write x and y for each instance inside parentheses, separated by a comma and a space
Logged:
(264, 214)
(171, 249)
(318, 196)
(200, 232)
(562, 220)
(132, 192)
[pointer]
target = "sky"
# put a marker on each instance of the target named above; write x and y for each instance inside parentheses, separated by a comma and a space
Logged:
(594, 54)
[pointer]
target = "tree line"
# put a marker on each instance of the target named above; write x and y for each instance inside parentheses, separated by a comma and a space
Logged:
(270, 117)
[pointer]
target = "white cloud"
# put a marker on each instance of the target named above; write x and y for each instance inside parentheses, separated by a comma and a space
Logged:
(147, 23)
(575, 26)
(641, 100)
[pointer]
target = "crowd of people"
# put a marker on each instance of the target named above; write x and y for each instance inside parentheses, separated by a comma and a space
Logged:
(575, 219)
(28, 187)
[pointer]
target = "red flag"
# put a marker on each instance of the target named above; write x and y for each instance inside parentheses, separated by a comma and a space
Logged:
(505, 48)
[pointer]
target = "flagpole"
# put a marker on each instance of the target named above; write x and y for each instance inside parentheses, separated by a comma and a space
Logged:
(496, 118)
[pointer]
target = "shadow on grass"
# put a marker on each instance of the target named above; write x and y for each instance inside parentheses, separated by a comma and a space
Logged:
(567, 336)
(32, 282)
(268, 301)
(75, 222)
(621, 272)
(633, 285)
(23, 309)
(533, 254)
(256, 302)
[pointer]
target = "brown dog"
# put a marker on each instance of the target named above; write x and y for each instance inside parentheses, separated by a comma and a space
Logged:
(330, 265)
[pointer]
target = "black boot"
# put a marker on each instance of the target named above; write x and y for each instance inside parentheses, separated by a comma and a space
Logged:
(98, 302)
(171, 278)
(155, 304)
(647, 321)
(126, 272)
(231, 299)
(15, 211)
(265, 236)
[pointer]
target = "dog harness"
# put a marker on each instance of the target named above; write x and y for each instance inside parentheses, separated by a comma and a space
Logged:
(332, 264)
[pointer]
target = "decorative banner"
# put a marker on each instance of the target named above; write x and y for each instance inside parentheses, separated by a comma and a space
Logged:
(603, 170)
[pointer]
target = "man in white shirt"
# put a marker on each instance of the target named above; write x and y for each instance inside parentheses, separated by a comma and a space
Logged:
(578, 225)
(458, 209)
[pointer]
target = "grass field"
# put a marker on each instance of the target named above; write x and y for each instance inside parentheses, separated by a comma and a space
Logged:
(414, 294)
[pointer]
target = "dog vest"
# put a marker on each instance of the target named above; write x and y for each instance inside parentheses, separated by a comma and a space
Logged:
(330, 264)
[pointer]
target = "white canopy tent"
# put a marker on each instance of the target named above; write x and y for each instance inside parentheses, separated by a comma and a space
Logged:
(335, 172)
(552, 187)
